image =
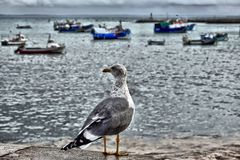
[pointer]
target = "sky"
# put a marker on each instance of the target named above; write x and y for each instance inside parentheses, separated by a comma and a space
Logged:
(126, 7)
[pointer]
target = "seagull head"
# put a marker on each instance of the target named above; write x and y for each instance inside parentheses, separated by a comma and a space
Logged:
(119, 71)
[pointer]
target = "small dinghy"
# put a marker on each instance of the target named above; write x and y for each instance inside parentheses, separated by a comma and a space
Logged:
(217, 36)
(187, 41)
(154, 42)
(24, 27)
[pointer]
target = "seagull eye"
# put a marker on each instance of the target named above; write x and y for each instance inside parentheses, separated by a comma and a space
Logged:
(122, 71)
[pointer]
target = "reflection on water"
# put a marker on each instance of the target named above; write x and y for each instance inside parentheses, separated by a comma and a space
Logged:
(178, 90)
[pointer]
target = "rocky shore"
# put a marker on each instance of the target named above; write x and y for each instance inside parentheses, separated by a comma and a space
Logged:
(139, 148)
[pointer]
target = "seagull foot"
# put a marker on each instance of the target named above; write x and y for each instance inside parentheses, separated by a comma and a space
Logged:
(108, 153)
(115, 154)
(121, 154)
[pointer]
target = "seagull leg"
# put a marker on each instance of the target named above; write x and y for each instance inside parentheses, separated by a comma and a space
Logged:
(117, 143)
(105, 145)
(117, 149)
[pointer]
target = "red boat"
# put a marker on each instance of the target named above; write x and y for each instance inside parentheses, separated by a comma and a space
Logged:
(51, 48)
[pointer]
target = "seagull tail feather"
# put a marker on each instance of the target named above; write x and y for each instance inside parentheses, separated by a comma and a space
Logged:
(81, 141)
(68, 146)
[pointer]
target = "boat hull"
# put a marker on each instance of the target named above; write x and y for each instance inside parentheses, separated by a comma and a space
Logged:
(199, 42)
(151, 42)
(8, 43)
(24, 27)
(57, 50)
(74, 29)
(158, 28)
(125, 34)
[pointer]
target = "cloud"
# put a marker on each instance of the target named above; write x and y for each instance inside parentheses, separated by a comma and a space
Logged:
(120, 3)
(190, 7)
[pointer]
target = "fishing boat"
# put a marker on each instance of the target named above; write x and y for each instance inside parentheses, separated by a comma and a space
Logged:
(75, 28)
(19, 39)
(69, 28)
(173, 26)
(187, 41)
(102, 33)
(217, 36)
(51, 48)
(116, 32)
(23, 27)
(167, 27)
(154, 42)
(62, 24)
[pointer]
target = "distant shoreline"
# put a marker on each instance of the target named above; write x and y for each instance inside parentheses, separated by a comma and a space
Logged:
(135, 18)
(215, 20)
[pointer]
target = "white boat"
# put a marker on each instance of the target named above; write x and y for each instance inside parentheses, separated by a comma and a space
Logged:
(19, 39)
(51, 48)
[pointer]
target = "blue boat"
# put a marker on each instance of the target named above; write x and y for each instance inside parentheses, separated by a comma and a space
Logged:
(165, 27)
(104, 34)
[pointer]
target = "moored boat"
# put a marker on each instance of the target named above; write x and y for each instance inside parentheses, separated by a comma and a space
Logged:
(113, 33)
(166, 27)
(62, 24)
(173, 26)
(51, 48)
(154, 42)
(75, 28)
(217, 36)
(187, 41)
(69, 28)
(101, 33)
(19, 39)
(23, 27)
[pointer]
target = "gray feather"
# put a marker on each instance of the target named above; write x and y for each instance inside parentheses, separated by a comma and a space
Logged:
(114, 114)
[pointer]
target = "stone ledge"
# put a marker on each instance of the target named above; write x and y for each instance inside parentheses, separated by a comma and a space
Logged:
(21, 152)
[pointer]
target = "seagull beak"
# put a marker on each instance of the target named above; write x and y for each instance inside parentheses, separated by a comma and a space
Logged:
(106, 70)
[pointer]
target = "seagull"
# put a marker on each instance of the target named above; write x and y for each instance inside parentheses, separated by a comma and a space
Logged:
(110, 117)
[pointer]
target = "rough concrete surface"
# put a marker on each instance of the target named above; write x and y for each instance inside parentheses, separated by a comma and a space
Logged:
(188, 148)
(49, 153)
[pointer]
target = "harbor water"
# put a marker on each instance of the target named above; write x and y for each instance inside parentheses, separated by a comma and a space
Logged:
(179, 91)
